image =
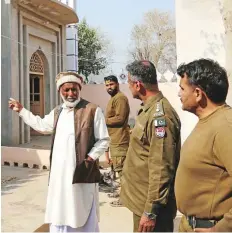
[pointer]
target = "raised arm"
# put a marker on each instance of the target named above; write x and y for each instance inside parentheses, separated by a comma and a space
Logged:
(42, 125)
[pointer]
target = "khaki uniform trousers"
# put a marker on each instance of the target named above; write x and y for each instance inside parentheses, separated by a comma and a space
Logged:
(118, 156)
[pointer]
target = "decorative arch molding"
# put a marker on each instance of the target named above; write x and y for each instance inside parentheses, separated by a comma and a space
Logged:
(36, 64)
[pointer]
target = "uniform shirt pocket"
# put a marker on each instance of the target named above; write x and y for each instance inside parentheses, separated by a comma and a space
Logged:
(138, 132)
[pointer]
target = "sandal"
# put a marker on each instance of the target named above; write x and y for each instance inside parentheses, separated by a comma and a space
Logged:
(113, 195)
(117, 203)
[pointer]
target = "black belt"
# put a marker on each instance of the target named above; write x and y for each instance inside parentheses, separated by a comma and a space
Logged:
(200, 223)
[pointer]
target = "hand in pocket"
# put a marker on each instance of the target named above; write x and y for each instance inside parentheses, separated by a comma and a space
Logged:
(88, 163)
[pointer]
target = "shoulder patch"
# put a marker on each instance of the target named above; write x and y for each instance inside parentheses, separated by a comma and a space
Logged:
(160, 132)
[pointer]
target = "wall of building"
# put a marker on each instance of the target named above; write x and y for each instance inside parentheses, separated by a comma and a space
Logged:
(201, 32)
(226, 10)
(28, 32)
(6, 115)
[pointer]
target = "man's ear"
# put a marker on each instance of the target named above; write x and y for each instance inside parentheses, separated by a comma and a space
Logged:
(199, 94)
(138, 85)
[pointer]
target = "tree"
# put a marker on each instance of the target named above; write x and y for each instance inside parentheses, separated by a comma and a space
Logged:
(155, 40)
(91, 47)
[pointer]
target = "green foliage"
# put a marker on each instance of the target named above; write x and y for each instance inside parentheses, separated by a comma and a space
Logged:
(90, 47)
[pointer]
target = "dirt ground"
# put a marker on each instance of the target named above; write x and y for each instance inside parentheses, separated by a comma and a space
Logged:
(24, 194)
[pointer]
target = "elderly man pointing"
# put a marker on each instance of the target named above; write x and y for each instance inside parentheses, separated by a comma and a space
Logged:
(79, 137)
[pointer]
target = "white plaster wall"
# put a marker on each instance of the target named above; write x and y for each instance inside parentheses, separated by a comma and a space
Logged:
(226, 6)
(200, 33)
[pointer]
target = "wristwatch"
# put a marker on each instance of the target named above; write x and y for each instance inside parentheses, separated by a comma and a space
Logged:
(150, 215)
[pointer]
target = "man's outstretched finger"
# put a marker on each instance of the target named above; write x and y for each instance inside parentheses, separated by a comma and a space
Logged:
(145, 228)
(140, 228)
(150, 228)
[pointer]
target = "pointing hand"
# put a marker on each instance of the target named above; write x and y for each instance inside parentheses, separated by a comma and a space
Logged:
(15, 105)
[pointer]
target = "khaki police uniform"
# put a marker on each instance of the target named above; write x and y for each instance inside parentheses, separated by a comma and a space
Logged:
(117, 115)
(203, 184)
(152, 158)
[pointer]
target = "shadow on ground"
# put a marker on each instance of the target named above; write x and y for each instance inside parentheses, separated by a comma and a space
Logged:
(15, 177)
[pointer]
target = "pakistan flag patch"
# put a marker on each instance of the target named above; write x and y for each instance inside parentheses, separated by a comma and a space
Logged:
(160, 122)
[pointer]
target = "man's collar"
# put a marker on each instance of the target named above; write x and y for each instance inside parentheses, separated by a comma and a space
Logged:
(115, 94)
(68, 108)
(150, 101)
(64, 105)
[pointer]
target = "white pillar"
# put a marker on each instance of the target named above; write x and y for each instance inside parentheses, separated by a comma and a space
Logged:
(72, 41)
(63, 1)
(71, 3)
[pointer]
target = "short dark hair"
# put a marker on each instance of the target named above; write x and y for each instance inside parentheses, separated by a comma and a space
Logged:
(111, 78)
(143, 71)
(207, 75)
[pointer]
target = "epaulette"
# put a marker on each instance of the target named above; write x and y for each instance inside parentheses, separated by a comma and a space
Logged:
(159, 109)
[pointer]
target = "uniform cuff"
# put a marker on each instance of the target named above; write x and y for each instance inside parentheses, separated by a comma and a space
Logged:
(153, 208)
(148, 207)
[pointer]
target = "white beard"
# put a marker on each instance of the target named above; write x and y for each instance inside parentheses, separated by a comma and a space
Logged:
(70, 104)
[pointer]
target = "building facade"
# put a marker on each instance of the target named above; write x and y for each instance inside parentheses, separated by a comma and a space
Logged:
(33, 52)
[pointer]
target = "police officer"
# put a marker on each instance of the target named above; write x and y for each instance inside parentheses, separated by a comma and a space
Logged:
(153, 154)
(204, 177)
(116, 116)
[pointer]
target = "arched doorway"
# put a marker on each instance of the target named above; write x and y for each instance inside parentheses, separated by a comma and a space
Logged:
(36, 72)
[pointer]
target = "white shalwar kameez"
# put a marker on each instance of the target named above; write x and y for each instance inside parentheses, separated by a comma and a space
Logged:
(70, 207)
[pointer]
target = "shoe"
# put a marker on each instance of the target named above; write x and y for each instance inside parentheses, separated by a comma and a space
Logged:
(116, 203)
(113, 195)
(108, 179)
(106, 189)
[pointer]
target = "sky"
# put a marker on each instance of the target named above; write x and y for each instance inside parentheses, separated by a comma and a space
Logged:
(115, 19)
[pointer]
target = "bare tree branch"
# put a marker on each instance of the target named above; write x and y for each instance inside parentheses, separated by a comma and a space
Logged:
(155, 40)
